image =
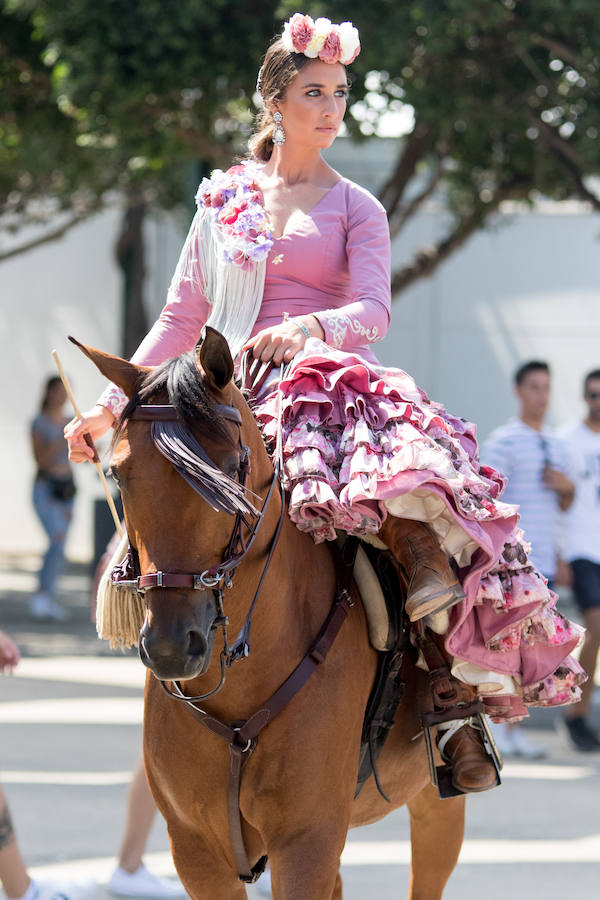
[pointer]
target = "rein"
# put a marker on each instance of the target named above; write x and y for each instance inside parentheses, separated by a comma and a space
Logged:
(181, 448)
(177, 444)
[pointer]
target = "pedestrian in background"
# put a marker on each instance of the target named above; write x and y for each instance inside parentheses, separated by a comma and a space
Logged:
(581, 549)
(533, 458)
(53, 493)
(14, 878)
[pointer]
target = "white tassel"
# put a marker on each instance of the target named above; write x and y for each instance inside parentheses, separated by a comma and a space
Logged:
(119, 612)
(235, 294)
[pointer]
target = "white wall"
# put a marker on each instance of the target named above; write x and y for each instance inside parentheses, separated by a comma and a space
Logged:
(527, 287)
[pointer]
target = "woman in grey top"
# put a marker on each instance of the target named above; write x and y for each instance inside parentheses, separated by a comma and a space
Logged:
(53, 493)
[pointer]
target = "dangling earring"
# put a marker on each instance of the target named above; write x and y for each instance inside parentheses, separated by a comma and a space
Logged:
(278, 132)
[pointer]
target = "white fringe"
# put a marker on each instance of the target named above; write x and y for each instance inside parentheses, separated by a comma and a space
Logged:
(119, 613)
(235, 294)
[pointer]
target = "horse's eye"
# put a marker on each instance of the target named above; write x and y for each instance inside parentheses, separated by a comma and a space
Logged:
(114, 475)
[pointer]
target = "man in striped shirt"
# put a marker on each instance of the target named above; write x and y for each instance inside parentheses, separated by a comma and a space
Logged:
(533, 459)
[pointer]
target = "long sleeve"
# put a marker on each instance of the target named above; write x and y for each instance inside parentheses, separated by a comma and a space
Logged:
(178, 326)
(366, 317)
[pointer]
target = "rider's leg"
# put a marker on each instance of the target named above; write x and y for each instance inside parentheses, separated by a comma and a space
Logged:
(431, 583)
(460, 740)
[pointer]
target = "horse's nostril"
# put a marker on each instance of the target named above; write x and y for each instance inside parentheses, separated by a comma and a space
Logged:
(197, 645)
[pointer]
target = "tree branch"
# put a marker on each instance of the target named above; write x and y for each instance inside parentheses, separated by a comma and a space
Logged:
(49, 236)
(561, 50)
(570, 162)
(415, 147)
(398, 221)
(426, 261)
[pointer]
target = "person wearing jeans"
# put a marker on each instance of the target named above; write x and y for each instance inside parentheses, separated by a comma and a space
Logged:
(53, 493)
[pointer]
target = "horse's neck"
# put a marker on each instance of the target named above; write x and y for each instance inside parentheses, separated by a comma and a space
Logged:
(293, 602)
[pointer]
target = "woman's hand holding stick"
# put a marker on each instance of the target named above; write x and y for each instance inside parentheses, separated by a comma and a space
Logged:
(89, 441)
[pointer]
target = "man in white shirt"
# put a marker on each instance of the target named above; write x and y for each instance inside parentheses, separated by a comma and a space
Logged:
(581, 548)
(533, 460)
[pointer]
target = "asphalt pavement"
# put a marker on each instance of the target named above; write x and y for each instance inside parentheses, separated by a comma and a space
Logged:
(70, 732)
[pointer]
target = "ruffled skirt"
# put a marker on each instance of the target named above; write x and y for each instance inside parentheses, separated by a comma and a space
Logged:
(360, 442)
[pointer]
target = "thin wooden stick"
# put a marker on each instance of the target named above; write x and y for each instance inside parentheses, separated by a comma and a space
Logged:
(88, 439)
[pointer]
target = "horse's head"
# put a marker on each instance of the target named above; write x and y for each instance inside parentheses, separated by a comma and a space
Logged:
(171, 520)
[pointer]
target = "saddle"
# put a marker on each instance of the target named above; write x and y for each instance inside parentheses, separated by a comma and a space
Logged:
(382, 593)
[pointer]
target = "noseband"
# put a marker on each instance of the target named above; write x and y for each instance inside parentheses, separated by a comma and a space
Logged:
(180, 447)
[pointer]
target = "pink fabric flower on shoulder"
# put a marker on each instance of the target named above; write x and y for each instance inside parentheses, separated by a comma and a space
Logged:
(332, 48)
(298, 33)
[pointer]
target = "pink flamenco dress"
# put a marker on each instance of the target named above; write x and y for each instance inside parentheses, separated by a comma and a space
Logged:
(361, 441)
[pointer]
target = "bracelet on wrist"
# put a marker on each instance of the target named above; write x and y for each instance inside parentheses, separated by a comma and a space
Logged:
(303, 328)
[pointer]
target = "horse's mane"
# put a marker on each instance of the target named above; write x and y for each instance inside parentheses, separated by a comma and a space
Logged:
(193, 403)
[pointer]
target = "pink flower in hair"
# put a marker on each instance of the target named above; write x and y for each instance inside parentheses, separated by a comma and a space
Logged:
(301, 30)
(332, 48)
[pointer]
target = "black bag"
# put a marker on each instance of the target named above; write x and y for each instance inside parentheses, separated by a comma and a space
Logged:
(62, 489)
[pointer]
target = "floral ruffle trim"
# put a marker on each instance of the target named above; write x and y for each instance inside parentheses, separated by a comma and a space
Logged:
(513, 585)
(353, 436)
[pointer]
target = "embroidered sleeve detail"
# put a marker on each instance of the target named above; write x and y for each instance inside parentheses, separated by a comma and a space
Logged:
(338, 325)
(113, 399)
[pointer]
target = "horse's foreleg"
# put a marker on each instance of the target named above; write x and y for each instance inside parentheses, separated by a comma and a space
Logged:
(204, 869)
(307, 869)
(436, 832)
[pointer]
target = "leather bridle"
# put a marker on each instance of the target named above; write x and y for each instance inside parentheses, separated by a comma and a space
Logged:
(180, 447)
(242, 736)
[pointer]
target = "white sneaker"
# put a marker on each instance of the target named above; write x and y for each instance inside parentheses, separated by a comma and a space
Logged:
(143, 883)
(526, 748)
(39, 606)
(60, 890)
(42, 607)
(264, 884)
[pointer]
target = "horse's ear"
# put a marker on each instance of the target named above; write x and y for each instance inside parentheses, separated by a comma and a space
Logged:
(215, 359)
(125, 374)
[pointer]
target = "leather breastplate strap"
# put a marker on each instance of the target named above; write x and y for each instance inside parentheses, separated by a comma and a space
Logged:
(242, 738)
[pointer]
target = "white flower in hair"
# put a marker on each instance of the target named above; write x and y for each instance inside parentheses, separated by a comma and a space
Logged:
(286, 38)
(349, 41)
(322, 29)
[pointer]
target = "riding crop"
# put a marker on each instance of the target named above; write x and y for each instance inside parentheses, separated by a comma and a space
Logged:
(88, 439)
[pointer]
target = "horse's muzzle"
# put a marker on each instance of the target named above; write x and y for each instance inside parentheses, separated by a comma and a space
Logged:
(180, 650)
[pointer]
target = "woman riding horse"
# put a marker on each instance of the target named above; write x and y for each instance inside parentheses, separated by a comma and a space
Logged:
(290, 261)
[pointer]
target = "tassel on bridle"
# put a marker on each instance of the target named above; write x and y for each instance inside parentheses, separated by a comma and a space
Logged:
(120, 611)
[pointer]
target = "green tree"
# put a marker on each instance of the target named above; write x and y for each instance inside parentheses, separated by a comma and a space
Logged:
(114, 95)
(506, 99)
(107, 98)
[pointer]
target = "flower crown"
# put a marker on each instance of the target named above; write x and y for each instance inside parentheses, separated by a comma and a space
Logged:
(331, 43)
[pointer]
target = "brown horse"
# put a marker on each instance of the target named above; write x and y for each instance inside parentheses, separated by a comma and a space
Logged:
(297, 788)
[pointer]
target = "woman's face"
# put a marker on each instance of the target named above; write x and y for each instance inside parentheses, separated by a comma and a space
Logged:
(314, 105)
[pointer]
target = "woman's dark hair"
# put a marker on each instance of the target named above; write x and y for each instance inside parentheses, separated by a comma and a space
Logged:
(278, 69)
(50, 383)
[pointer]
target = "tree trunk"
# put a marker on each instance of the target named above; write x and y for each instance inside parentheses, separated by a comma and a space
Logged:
(129, 252)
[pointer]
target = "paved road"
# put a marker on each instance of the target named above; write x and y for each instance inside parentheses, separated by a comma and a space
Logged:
(70, 735)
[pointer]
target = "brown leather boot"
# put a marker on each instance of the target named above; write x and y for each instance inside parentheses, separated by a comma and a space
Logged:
(462, 749)
(432, 585)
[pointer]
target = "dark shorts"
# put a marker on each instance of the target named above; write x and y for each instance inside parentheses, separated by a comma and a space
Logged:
(586, 583)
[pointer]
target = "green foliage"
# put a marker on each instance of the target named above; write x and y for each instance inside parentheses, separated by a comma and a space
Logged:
(506, 90)
(101, 94)
(97, 95)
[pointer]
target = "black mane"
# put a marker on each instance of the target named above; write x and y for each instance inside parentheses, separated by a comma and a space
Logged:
(192, 401)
